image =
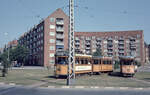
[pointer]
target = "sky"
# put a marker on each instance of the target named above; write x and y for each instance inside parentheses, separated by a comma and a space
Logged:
(18, 16)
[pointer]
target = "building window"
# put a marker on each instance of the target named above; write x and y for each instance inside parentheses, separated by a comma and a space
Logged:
(59, 47)
(52, 47)
(51, 55)
(41, 48)
(52, 19)
(52, 26)
(41, 34)
(52, 33)
(42, 27)
(51, 61)
(41, 41)
(52, 40)
(138, 36)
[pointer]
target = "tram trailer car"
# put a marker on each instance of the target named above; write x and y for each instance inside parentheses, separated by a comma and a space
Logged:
(102, 64)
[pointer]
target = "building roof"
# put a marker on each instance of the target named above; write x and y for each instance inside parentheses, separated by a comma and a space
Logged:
(106, 33)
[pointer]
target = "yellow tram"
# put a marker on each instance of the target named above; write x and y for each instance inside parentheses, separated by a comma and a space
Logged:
(102, 64)
(82, 64)
(127, 66)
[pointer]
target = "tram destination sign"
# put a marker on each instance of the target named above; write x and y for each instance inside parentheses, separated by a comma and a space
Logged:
(83, 68)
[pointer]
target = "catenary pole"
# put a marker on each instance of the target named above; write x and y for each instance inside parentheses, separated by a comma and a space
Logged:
(71, 63)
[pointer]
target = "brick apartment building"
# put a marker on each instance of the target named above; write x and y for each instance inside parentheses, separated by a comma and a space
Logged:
(44, 39)
(51, 35)
(114, 44)
(10, 45)
(147, 53)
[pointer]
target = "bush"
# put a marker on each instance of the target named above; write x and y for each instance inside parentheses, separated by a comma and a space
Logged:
(116, 65)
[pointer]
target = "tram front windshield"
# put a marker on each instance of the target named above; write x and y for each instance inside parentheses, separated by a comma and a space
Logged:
(62, 60)
(127, 62)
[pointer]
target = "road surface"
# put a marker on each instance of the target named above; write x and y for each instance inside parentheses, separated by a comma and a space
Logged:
(20, 90)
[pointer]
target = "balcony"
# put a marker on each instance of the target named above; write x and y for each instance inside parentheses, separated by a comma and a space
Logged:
(59, 22)
(132, 38)
(77, 47)
(87, 43)
(98, 43)
(59, 43)
(132, 46)
(98, 39)
(87, 52)
(110, 43)
(88, 47)
(109, 39)
(76, 38)
(109, 47)
(121, 42)
(110, 54)
(120, 47)
(121, 51)
(98, 46)
(59, 29)
(88, 38)
(77, 43)
(59, 36)
(110, 51)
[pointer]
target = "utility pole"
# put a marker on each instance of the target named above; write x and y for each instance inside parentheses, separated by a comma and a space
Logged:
(8, 46)
(71, 64)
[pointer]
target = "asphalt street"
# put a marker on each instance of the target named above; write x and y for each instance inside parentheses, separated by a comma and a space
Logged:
(145, 68)
(20, 90)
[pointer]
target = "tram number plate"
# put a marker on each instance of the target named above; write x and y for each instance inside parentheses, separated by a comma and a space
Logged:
(128, 70)
(83, 68)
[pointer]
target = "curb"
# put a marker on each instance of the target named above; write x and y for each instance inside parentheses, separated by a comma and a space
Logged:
(97, 87)
(11, 84)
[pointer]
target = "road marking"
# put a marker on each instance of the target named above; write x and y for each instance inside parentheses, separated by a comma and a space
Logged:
(94, 87)
(138, 88)
(51, 86)
(12, 84)
(2, 83)
(108, 87)
(79, 87)
(65, 87)
(123, 88)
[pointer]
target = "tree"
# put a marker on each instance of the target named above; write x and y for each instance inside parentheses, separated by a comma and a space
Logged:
(98, 52)
(5, 63)
(19, 54)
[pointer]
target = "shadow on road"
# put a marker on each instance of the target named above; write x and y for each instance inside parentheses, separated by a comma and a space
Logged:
(115, 74)
(147, 79)
(54, 77)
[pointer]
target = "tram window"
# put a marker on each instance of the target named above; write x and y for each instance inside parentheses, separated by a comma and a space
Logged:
(95, 61)
(62, 60)
(104, 62)
(99, 61)
(86, 61)
(89, 62)
(127, 62)
(82, 61)
(109, 62)
(77, 61)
